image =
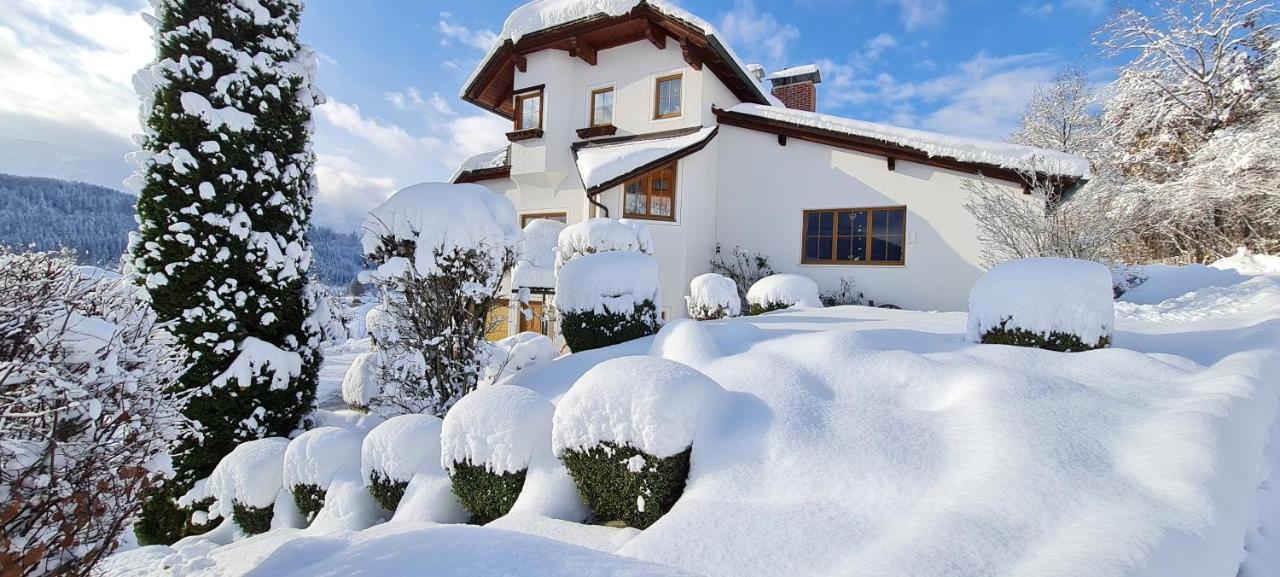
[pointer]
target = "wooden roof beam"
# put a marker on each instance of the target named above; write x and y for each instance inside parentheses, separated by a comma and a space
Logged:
(656, 35)
(521, 62)
(578, 48)
(691, 55)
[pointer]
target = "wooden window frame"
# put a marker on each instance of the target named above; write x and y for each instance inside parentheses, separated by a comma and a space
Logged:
(835, 234)
(525, 219)
(591, 107)
(527, 94)
(648, 194)
(657, 96)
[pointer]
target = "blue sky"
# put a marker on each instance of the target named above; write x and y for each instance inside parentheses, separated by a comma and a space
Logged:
(392, 70)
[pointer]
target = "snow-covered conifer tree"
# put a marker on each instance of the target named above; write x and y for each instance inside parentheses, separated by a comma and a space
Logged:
(226, 182)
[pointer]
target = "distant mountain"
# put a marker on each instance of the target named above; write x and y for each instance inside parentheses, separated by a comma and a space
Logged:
(47, 213)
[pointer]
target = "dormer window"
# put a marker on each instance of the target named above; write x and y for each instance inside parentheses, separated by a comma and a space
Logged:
(667, 96)
(601, 107)
(529, 110)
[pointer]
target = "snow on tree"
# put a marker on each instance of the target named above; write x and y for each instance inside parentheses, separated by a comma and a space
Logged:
(1062, 116)
(89, 412)
(713, 296)
(1198, 75)
(780, 291)
(606, 283)
(1049, 303)
(225, 177)
(442, 251)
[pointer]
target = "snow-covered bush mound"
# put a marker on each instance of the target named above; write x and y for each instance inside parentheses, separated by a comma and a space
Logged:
(781, 291)
(380, 325)
(360, 384)
(510, 356)
(395, 452)
(607, 298)
(1049, 303)
(685, 341)
(1164, 282)
(317, 458)
(596, 235)
(626, 431)
(713, 296)
(537, 266)
(486, 444)
(247, 481)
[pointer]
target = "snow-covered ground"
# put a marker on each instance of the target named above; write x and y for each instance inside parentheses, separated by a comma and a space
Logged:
(863, 441)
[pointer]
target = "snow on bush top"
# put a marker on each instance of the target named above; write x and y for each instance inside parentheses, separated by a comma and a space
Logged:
(251, 474)
(322, 455)
(402, 447)
(600, 164)
(653, 404)
(507, 357)
(685, 341)
(788, 289)
(1044, 295)
(602, 235)
(537, 265)
(360, 384)
(443, 216)
(607, 282)
(1002, 154)
(496, 427)
(712, 292)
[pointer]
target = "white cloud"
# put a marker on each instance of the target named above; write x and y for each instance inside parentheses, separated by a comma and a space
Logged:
(757, 35)
(345, 196)
(480, 40)
(922, 13)
(874, 47)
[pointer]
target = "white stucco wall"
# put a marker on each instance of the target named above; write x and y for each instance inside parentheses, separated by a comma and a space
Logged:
(764, 189)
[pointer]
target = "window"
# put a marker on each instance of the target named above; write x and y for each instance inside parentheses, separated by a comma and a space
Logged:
(525, 219)
(652, 196)
(666, 102)
(855, 236)
(601, 107)
(529, 110)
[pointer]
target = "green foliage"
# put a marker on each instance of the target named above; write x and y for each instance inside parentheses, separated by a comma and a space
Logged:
(309, 499)
(209, 227)
(163, 521)
(483, 493)
(587, 330)
(614, 492)
(386, 491)
(759, 309)
(1053, 341)
(252, 520)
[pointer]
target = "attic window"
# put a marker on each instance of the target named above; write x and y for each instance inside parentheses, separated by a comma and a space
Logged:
(667, 96)
(528, 108)
(651, 196)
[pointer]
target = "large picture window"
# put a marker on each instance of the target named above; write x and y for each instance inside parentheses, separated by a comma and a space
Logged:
(855, 236)
(652, 196)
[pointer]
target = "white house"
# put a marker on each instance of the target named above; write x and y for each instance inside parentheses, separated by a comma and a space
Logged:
(636, 109)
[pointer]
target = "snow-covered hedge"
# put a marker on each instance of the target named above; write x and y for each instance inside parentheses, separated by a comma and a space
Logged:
(247, 481)
(782, 291)
(713, 296)
(537, 266)
(626, 430)
(607, 298)
(395, 452)
(597, 235)
(486, 444)
(1049, 303)
(315, 460)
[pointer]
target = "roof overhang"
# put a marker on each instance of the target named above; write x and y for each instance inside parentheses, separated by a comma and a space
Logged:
(492, 86)
(630, 156)
(482, 174)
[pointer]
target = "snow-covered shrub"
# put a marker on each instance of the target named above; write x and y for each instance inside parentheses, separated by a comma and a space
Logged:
(442, 251)
(782, 291)
(247, 481)
(508, 357)
(486, 443)
(847, 294)
(1049, 303)
(88, 408)
(537, 266)
(607, 298)
(626, 432)
(596, 235)
(395, 452)
(380, 326)
(713, 296)
(315, 460)
(743, 267)
(360, 384)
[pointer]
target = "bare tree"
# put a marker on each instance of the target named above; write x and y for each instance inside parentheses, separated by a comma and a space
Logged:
(1062, 116)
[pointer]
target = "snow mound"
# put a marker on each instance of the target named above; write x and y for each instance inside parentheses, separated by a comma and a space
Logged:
(608, 282)
(321, 456)
(497, 426)
(1165, 282)
(1001, 154)
(537, 265)
(439, 216)
(252, 474)
(600, 164)
(1250, 263)
(653, 404)
(789, 289)
(508, 357)
(360, 384)
(1044, 295)
(713, 292)
(348, 506)
(402, 447)
(596, 235)
(686, 341)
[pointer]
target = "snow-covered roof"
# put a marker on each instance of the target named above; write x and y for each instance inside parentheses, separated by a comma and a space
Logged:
(485, 160)
(963, 149)
(601, 164)
(793, 71)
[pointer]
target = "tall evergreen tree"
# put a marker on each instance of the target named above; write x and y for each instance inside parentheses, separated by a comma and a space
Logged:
(226, 180)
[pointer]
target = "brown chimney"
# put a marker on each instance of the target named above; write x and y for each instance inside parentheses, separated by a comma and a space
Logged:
(797, 87)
